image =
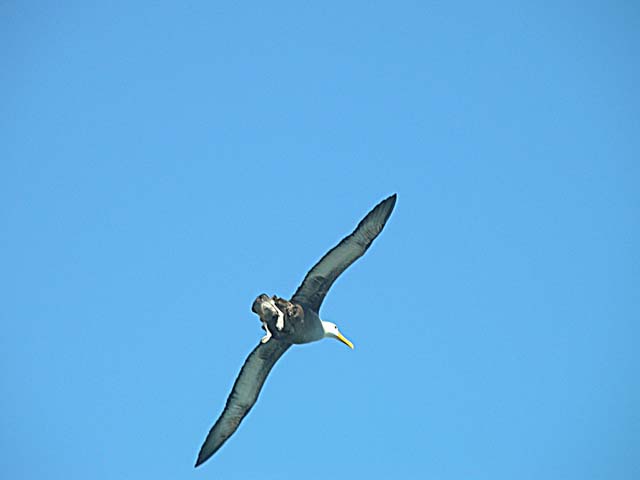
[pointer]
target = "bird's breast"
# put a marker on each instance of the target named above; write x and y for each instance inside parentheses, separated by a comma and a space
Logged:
(305, 325)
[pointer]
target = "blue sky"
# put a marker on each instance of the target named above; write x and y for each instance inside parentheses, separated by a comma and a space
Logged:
(163, 163)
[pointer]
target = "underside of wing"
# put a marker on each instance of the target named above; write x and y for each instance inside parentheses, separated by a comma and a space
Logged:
(243, 395)
(317, 282)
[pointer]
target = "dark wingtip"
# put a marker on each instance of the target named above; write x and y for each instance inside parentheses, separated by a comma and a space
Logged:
(390, 199)
(201, 459)
(391, 202)
(393, 198)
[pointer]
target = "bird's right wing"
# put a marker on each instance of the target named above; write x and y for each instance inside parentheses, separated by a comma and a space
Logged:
(317, 282)
(243, 395)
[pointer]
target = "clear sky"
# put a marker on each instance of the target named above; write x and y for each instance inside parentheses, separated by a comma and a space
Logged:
(162, 163)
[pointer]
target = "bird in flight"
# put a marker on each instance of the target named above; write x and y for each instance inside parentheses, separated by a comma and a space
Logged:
(293, 322)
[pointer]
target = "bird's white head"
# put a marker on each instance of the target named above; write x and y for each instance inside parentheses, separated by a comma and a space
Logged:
(331, 331)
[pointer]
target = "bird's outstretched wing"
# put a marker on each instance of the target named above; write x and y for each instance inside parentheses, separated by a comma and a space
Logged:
(243, 395)
(320, 278)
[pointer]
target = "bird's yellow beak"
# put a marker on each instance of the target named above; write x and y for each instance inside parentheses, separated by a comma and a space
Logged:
(344, 340)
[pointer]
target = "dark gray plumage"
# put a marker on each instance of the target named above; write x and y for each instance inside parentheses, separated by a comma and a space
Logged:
(318, 281)
(303, 328)
(243, 395)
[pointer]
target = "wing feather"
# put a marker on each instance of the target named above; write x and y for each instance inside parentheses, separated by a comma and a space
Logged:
(243, 395)
(318, 281)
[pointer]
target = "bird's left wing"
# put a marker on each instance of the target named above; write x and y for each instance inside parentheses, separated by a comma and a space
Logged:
(243, 395)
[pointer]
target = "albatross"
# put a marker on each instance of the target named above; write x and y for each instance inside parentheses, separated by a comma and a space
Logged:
(293, 322)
